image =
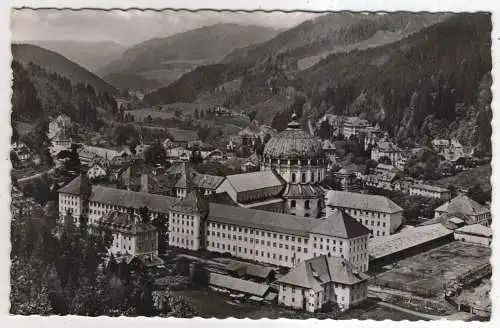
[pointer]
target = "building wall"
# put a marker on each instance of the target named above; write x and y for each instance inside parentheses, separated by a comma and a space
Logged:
(414, 191)
(354, 250)
(345, 296)
(470, 238)
(380, 223)
(97, 210)
(258, 245)
(185, 230)
(71, 203)
(297, 206)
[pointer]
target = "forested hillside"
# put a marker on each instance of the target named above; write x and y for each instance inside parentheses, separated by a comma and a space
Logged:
(431, 83)
(55, 63)
(38, 94)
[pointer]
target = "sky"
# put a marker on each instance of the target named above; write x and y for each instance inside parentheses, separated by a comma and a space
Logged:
(131, 27)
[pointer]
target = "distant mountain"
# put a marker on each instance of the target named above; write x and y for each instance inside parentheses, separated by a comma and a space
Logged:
(419, 75)
(124, 81)
(166, 59)
(56, 63)
(92, 55)
(283, 56)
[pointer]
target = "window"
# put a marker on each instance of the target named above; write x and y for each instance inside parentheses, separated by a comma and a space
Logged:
(303, 177)
(293, 177)
(307, 205)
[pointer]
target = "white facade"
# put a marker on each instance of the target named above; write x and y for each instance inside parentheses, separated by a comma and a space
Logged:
(429, 191)
(185, 230)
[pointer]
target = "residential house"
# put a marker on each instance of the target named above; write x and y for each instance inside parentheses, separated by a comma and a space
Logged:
(317, 281)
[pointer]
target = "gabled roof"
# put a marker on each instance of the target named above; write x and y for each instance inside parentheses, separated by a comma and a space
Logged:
(254, 181)
(476, 229)
(193, 203)
(186, 177)
(264, 220)
(240, 285)
(449, 220)
(315, 272)
(253, 270)
(125, 222)
(342, 225)
(78, 186)
(127, 198)
(463, 204)
(362, 201)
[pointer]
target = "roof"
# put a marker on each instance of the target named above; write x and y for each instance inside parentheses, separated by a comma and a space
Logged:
(449, 220)
(127, 198)
(302, 190)
(387, 146)
(463, 204)
(368, 202)
(315, 272)
(240, 285)
(476, 229)
(221, 198)
(254, 181)
(285, 223)
(193, 203)
(180, 135)
(386, 245)
(293, 142)
(354, 120)
(253, 270)
(124, 222)
(341, 224)
(264, 220)
(98, 151)
(78, 186)
(429, 187)
(186, 177)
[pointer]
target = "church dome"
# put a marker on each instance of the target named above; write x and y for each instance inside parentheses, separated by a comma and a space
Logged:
(293, 142)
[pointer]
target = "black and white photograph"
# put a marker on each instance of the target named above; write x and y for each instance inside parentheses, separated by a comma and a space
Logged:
(238, 164)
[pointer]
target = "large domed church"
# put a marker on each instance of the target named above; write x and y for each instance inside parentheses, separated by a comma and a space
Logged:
(299, 159)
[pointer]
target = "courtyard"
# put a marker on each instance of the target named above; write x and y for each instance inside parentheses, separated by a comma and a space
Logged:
(434, 269)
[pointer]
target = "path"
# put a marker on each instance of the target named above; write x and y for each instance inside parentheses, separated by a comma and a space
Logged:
(37, 175)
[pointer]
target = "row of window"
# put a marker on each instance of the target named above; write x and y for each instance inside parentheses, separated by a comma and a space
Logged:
(183, 242)
(252, 231)
(189, 232)
(307, 204)
(303, 177)
(183, 222)
(244, 250)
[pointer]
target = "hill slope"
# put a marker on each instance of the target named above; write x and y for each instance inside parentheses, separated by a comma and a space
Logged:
(432, 83)
(92, 55)
(278, 59)
(56, 63)
(165, 59)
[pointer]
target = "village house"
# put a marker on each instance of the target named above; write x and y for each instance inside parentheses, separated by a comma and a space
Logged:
(466, 206)
(131, 236)
(179, 138)
(317, 281)
(96, 172)
(89, 154)
(348, 180)
(387, 149)
(353, 126)
(378, 213)
(385, 181)
(475, 233)
(425, 190)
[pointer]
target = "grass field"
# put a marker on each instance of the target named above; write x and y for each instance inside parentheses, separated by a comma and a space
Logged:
(433, 269)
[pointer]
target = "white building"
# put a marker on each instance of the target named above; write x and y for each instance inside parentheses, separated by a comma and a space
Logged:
(96, 172)
(130, 235)
(429, 191)
(476, 233)
(352, 126)
(299, 159)
(378, 213)
(391, 151)
(282, 239)
(320, 280)
(466, 206)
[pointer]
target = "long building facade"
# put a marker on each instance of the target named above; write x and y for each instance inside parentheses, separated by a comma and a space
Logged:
(194, 223)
